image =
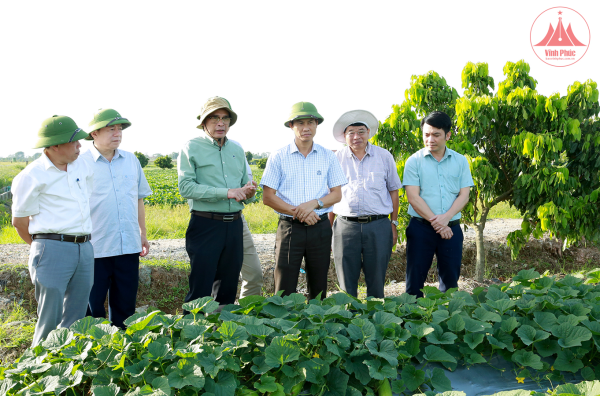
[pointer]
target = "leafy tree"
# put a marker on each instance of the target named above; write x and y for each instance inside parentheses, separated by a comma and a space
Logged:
(37, 155)
(248, 156)
(174, 155)
(19, 155)
(164, 162)
(142, 158)
(541, 154)
(261, 163)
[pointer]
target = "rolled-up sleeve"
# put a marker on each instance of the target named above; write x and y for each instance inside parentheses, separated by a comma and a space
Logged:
(411, 173)
(272, 175)
(392, 179)
(189, 187)
(26, 196)
(144, 189)
(335, 176)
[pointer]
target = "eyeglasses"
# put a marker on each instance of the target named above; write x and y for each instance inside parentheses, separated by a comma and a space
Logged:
(359, 133)
(216, 119)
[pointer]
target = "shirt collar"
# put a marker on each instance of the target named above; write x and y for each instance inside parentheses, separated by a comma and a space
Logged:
(294, 148)
(447, 154)
(96, 154)
(47, 163)
(367, 150)
(214, 142)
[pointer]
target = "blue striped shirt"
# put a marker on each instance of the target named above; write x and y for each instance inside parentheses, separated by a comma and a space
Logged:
(300, 179)
(118, 185)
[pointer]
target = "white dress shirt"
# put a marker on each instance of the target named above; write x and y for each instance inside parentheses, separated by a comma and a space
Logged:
(57, 202)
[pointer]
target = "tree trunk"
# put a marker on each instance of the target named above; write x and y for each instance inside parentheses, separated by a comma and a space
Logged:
(480, 263)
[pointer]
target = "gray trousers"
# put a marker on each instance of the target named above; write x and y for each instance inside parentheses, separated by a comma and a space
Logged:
(252, 276)
(366, 246)
(63, 275)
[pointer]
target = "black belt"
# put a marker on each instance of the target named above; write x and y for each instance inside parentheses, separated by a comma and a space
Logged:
(323, 217)
(226, 218)
(365, 219)
(63, 237)
(450, 223)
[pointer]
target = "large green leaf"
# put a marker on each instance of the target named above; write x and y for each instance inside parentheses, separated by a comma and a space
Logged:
(529, 335)
(162, 383)
(380, 370)
(439, 337)
(79, 351)
(567, 361)
(205, 304)
(186, 372)
(547, 347)
(527, 359)
(570, 336)
(588, 388)
(266, 384)
(486, 316)
(337, 383)
(108, 390)
(420, 330)
(386, 350)
(545, 319)
(211, 364)
(141, 323)
(526, 275)
(412, 377)
(437, 354)
(474, 339)
(157, 351)
(281, 351)
(193, 331)
(456, 323)
(439, 381)
(83, 325)
(509, 324)
(476, 326)
(250, 300)
(44, 385)
(58, 339)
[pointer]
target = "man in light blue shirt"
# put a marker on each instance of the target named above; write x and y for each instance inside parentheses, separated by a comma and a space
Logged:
(118, 218)
(437, 181)
(301, 183)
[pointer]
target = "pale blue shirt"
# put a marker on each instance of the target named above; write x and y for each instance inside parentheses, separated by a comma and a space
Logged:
(118, 185)
(370, 181)
(300, 179)
(440, 182)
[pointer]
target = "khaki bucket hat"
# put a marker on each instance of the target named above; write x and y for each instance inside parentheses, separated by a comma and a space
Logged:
(352, 117)
(58, 130)
(304, 110)
(213, 104)
(107, 117)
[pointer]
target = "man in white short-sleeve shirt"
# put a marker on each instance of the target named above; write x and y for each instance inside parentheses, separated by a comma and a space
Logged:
(51, 212)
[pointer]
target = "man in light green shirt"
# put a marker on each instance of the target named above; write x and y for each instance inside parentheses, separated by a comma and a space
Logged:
(212, 176)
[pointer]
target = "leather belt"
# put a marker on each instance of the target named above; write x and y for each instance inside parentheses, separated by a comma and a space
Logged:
(63, 237)
(226, 218)
(365, 219)
(450, 223)
(323, 217)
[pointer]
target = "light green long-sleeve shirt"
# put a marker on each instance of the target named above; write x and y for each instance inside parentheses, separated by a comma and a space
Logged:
(206, 171)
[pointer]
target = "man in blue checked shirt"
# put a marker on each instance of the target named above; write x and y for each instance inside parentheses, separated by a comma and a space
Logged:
(118, 219)
(437, 181)
(301, 183)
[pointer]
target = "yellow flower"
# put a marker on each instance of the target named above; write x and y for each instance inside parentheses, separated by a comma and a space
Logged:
(552, 368)
(521, 380)
(316, 355)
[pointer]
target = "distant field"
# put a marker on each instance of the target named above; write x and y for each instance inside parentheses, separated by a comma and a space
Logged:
(8, 171)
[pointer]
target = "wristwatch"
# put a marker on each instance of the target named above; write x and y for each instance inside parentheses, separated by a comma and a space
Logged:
(320, 203)
(395, 222)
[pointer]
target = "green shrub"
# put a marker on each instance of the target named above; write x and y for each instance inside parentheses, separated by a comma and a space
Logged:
(261, 163)
(142, 158)
(164, 162)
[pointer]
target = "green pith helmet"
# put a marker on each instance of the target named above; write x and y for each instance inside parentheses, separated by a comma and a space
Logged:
(303, 110)
(58, 130)
(107, 117)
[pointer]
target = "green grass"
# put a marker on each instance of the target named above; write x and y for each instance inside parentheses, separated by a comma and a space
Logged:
(15, 337)
(166, 221)
(8, 171)
(504, 211)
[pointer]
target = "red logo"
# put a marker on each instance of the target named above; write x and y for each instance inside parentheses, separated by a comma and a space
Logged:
(555, 44)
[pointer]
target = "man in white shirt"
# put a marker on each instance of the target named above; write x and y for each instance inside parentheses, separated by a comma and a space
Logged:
(118, 216)
(51, 213)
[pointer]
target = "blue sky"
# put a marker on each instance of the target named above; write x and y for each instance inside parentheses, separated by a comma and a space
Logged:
(157, 62)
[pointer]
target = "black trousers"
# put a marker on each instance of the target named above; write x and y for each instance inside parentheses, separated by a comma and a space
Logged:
(295, 241)
(216, 253)
(119, 277)
(422, 242)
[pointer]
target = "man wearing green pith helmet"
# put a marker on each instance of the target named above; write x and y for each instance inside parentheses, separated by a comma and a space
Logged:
(118, 217)
(51, 212)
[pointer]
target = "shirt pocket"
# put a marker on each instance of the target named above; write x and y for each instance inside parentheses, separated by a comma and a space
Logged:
(453, 184)
(129, 185)
(376, 181)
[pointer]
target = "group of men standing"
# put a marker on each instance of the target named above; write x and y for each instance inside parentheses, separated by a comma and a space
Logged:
(345, 201)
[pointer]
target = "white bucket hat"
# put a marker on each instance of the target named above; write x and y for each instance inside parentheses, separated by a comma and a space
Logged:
(352, 117)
